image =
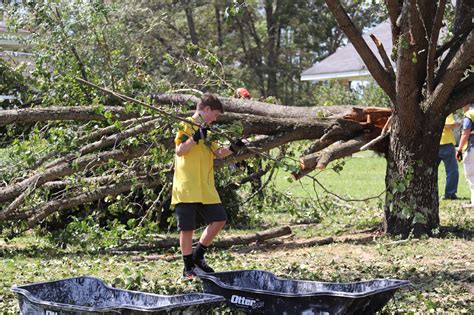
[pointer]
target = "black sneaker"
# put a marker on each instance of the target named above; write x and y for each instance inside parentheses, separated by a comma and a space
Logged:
(451, 197)
(202, 264)
(189, 274)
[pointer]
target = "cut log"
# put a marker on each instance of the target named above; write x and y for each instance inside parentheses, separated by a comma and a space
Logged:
(241, 106)
(76, 113)
(169, 242)
(320, 160)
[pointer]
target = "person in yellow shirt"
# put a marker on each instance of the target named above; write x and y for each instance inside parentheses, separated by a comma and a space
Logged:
(194, 192)
(446, 153)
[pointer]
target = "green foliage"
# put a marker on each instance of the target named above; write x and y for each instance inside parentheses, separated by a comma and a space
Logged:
(87, 234)
(13, 83)
(371, 94)
(336, 93)
(333, 93)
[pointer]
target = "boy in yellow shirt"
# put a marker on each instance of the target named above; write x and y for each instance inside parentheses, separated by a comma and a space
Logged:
(194, 190)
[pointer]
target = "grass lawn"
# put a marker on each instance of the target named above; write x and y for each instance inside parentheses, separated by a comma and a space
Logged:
(440, 268)
(362, 176)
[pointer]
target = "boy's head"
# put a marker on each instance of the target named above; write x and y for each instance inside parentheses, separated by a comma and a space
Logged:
(209, 108)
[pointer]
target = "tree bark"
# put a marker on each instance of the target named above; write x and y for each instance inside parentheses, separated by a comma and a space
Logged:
(188, 9)
(272, 57)
(227, 242)
(420, 104)
(75, 113)
(411, 204)
(217, 12)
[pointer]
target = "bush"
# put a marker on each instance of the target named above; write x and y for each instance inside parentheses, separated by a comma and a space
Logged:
(333, 93)
(372, 95)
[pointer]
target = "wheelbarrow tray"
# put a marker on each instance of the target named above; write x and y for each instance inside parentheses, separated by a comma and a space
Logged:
(259, 291)
(88, 295)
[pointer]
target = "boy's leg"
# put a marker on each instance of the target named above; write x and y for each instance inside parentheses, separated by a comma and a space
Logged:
(210, 232)
(186, 242)
(204, 242)
(216, 216)
(186, 217)
(186, 245)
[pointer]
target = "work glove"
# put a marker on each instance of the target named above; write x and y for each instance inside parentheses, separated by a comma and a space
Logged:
(237, 146)
(201, 133)
(459, 156)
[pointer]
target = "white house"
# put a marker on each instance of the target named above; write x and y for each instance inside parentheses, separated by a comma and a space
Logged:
(11, 47)
(345, 63)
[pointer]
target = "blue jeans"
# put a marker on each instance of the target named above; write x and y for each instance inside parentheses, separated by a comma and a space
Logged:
(446, 153)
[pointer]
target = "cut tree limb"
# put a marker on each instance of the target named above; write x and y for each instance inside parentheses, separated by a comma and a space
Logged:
(75, 113)
(37, 215)
(383, 54)
(335, 151)
(64, 169)
(168, 242)
(252, 107)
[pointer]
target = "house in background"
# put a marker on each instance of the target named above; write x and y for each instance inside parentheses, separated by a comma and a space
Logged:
(12, 50)
(11, 47)
(345, 64)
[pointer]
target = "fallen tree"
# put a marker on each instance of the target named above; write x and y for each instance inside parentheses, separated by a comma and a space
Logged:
(336, 131)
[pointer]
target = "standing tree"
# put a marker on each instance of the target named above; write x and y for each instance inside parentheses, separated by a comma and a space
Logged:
(430, 82)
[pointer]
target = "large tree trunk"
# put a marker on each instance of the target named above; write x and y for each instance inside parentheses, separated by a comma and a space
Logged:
(429, 83)
(412, 179)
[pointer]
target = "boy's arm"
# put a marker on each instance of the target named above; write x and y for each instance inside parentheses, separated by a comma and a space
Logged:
(184, 147)
(222, 152)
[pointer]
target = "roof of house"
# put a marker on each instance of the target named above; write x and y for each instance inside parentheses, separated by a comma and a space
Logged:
(345, 62)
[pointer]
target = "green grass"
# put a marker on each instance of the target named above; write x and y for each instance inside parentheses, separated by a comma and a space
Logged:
(362, 176)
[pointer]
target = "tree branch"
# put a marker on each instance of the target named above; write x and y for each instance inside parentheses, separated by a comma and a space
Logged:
(461, 61)
(35, 216)
(241, 106)
(64, 169)
(372, 63)
(383, 54)
(335, 151)
(394, 10)
(433, 41)
(463, 94)
(74, 113)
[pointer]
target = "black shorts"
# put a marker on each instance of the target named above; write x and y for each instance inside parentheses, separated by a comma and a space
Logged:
(186, 214)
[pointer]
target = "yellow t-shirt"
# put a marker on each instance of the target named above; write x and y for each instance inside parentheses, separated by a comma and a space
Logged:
(193, 179)
(448, 136)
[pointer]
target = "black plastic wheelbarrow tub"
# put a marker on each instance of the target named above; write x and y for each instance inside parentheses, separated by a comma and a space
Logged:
(258, 291)
(89, 295)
